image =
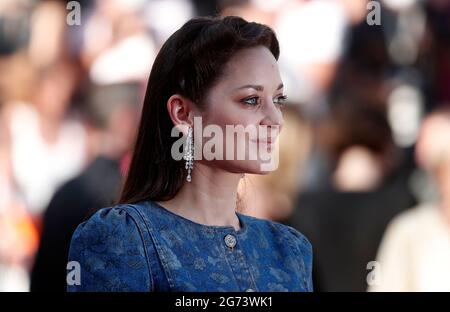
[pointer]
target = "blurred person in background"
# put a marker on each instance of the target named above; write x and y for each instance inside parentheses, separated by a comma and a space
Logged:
(415, 252)
(45, 64)
(47, 145)
(18, 232)
(46, 141)
(346, 220)
(387, 73)
(117, 43)
(111, 113)
(41, 145)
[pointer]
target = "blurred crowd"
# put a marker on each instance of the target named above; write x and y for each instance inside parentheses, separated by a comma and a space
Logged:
(364, 155)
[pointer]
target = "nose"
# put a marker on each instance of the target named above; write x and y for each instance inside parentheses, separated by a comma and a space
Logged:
(273, 117)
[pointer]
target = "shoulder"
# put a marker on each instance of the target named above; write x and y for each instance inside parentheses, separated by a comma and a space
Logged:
(281, 232)
(112, 220)
(412, 222)
(294, 244)
(110, 251)
(419, 214)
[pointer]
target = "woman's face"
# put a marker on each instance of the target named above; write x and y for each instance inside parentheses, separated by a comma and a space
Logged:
(245, 105)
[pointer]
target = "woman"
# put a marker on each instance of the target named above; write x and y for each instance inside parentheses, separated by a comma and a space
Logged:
(176, 227)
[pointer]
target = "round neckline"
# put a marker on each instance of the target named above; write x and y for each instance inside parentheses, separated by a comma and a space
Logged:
(227, 228)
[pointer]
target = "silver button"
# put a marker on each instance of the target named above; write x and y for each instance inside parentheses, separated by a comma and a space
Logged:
(230, 240)
(250, 290)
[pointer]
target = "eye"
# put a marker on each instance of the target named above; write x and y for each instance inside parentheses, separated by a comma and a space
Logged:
(251, 100)
(281, 100)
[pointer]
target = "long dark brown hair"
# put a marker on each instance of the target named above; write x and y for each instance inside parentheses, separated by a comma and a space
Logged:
(189, 63)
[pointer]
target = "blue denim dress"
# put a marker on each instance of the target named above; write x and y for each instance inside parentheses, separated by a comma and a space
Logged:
(145, 247)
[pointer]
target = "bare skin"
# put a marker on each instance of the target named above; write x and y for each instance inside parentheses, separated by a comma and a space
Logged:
(210, 199)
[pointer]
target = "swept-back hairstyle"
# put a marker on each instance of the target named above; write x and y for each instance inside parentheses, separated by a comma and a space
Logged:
(189, 63)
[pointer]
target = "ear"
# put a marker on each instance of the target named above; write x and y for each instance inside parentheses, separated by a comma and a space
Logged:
(180, 110)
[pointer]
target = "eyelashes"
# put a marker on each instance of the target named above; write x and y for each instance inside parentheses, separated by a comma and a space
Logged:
(256, 100)
(252, 101)
(282, 99)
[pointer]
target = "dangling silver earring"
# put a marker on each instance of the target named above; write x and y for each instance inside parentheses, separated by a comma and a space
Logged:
(189, 154)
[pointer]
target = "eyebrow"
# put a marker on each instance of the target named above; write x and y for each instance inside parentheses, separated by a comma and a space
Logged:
(258, 87)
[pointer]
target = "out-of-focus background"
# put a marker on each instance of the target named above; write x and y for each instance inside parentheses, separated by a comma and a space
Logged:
(365, 152)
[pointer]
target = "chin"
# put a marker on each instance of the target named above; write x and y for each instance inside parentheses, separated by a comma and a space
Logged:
(251, 167)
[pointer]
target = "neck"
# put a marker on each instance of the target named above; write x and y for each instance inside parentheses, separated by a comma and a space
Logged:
(210, 198)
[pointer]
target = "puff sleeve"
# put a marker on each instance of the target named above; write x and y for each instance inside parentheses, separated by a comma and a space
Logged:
(304, 247)
(109, 252)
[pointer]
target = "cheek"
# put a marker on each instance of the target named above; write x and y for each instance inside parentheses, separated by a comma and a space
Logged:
(230, 113)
